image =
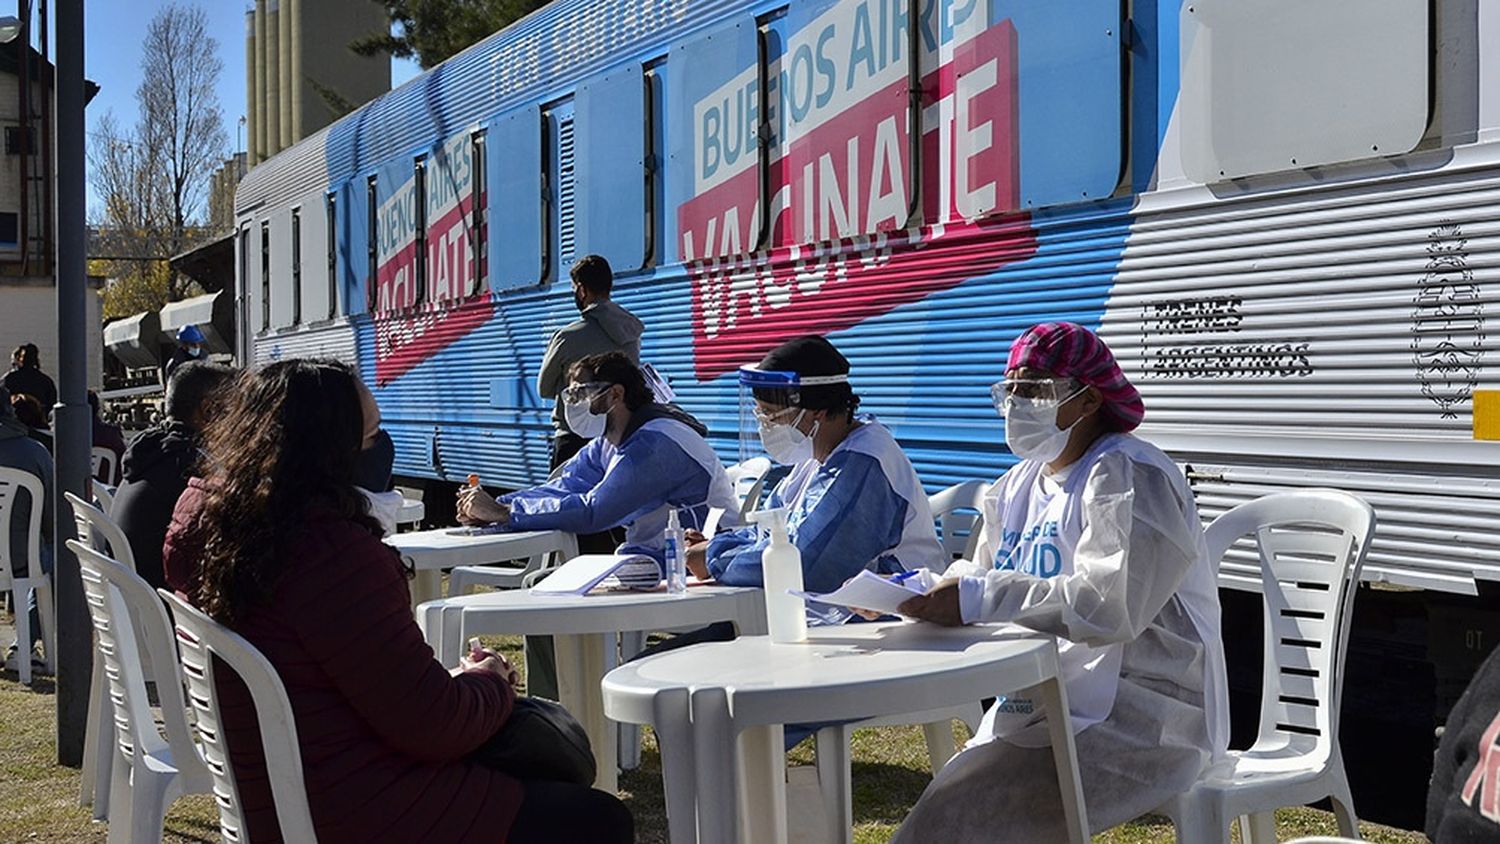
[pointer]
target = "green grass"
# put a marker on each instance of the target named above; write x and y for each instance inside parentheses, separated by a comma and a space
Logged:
(38, 799)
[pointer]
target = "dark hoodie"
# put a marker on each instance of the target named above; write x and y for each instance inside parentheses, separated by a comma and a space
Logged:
(157, 466)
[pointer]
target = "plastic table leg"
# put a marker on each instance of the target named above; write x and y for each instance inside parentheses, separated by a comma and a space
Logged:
(1065, 757)
(674, 738)
(581, 664)
(426, 585)
(762, 785)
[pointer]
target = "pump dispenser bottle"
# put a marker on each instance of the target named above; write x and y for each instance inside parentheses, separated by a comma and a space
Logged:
(675, 559)
(781, 569)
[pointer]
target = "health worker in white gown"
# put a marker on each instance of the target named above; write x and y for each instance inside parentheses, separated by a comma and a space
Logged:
(1094, 538)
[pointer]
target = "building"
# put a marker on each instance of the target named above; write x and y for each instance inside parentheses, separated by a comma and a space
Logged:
(28, 283)
(300, 75)
(221, 192)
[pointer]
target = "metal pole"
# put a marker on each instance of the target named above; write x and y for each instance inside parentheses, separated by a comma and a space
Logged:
(71, 416)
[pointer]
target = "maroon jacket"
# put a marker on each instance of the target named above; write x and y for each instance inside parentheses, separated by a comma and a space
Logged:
(384, 728)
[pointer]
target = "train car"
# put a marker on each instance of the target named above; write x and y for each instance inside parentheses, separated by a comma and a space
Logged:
(1280, 214)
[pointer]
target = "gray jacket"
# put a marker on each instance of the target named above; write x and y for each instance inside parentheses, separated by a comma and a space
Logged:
(602, 327)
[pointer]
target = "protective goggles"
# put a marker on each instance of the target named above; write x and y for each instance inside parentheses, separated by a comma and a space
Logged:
(584, 392)
(1046, 391)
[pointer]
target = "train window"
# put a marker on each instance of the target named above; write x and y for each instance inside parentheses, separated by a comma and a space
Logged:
(330, 219)
(837, 115)
(419, 204)
(447, 182)
(296, 255)
(265, 275)
(517, 214)
(1332, 83)
(372, 240)
(656, 111)
(478, 228)
(611, 129)
(562, 184)
(714, 168)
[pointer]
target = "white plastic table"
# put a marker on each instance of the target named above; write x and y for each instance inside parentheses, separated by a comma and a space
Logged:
(430, 551)
(713, 702)
(584, 630)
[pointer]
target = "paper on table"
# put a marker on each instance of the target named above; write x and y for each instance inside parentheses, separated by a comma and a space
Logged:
(866, 591)
(580, 574)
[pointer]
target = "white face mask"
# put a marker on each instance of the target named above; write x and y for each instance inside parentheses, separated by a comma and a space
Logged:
(1031, 429)
(583, 421)
(194, 351)
(785, 442)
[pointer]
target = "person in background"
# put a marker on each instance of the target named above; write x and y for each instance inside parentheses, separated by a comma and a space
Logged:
(373, 467)
(642, 459)
(19, 451)
(26, 376)
(29, 410)
(855, 501)
(190, 342)
(277, 544)
(602, 326)
(160, 460)
(1462, 804)
(1094, 538)
(107, 436)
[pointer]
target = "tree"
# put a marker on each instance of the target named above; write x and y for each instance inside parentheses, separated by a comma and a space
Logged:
(433, 30)
(153, 179)
(180, 117)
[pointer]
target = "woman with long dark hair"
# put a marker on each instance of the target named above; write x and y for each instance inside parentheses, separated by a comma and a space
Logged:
(277, 543)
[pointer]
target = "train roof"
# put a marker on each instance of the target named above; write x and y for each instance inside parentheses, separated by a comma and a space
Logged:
(534, 59)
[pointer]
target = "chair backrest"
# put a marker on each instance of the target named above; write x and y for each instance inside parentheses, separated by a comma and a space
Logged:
(130, 623)
(959, 511)
(102, 461)
(11, 482)
(1312, 545)
(100, 532)
(749, 479)
(104, 494)
(199, 640)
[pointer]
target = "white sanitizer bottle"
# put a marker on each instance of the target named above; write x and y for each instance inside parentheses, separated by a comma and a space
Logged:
(781, 568)
(676, 561)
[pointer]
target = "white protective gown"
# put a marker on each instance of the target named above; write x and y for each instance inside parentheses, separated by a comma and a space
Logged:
(1108, 555)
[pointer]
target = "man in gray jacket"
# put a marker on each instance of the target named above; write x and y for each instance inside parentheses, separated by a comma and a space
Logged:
(602, 327)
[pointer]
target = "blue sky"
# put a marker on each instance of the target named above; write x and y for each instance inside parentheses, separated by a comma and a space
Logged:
(112, 52)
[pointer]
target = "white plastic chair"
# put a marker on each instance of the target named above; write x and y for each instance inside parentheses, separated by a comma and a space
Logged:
(102, 461)
(199, 640)
(149, 772)
(959, 511)
(104, 494)
(12, 481)
(98, 531)
(749, 479)
(1312, 544)
(462, 579)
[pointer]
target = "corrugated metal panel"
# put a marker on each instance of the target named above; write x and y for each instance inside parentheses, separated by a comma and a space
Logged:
(532, 60)
(1435, 531)
(1342, 322)
(327, 341)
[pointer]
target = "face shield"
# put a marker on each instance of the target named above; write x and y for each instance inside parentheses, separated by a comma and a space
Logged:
(773, 421)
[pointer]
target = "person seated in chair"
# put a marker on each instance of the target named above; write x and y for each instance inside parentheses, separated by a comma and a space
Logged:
(642, 459)
(276, 543)
(18, 450)
(1094, 538)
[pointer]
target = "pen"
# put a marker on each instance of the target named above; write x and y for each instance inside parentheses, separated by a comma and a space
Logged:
(902, 577)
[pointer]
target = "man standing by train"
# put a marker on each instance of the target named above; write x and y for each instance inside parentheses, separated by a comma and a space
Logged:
(602, 326)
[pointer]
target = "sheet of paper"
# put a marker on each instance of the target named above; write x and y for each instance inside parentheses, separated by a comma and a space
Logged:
(582, 573)
(866, 591)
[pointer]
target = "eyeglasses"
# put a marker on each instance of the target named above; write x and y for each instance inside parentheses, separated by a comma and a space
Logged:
(771, 418)
(584, 392)
(1040, 389)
